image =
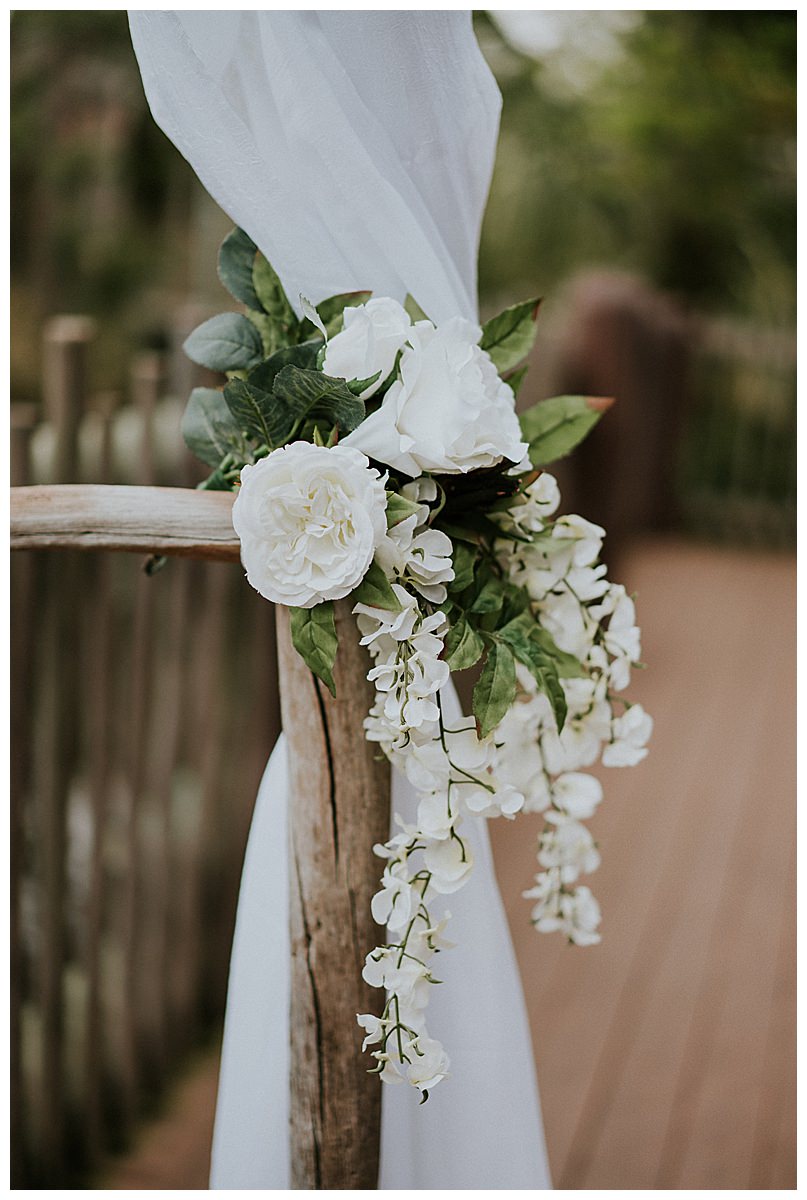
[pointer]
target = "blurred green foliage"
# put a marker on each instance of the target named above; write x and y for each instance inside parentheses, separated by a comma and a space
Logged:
(676, 158)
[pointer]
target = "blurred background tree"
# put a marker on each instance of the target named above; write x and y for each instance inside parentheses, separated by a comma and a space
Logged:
(658, 142)
(662, 142)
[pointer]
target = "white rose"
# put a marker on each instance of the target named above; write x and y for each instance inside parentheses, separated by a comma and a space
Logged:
(373, 334)
(309, 519)
(449, 412)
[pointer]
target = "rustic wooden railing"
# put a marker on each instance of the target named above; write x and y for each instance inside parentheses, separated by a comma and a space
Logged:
(339, 808)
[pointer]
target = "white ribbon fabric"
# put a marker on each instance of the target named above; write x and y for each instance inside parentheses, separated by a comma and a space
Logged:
(356, 149)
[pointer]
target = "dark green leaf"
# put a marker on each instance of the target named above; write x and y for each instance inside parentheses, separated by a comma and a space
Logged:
(490, 597)
(236, 259)
(463, 559)
(495, 689)
(376, 591)
(269, 290)
(550, 685)
(273, 335)
(554, 427)
(516, 602)
(215, 482)
(463, 645)
(253, 412)
(357, 386)
(568, 667)
(209, 429)
(519, 636)
(509, 337)
(313, 634)
(312, 394)
(228, 342)
(265, 374)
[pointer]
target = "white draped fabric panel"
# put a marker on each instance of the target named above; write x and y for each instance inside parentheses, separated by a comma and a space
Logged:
(356, 149)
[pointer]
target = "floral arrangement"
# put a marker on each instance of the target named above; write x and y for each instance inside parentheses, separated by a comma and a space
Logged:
(379, 456)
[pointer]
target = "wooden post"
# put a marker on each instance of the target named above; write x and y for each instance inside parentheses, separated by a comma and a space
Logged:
(339, 805)
(339, 808)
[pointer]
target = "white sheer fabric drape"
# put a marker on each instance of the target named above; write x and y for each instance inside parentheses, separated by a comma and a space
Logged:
(355, 148)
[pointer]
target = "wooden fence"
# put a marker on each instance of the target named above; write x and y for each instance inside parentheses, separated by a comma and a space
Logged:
(143, 707)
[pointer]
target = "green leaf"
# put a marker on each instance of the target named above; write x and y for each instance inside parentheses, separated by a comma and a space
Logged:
(252, 411)
(554, 427)
(209, 429)
(549, 683)
(265, 374)
(215, 482)
(463, 560)
(273, 335)
(357, 386)
(495, 689)
(463, 645)
(490, 597)
(568, 667)
(414, 310)
(399, 509)
(509, 337)
(516, 603)
(272, 298)
(375, 590)
(518, 635)
(313, 634)
(228, 342)
(312, 394)
(236, 259)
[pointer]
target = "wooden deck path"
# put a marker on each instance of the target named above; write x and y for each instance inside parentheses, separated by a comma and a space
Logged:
(666, 1055)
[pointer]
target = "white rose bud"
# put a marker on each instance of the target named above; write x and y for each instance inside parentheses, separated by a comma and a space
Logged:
(373, 334)
(309, 519)
(449, 412)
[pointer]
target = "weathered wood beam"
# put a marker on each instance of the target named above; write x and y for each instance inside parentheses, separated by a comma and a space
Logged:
(339, 808)
(144, 520)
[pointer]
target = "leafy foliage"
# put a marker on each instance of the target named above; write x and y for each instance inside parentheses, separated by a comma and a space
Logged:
(554, 427)
(210, 430)
(509, 337)
(313, 634)
(228, 342)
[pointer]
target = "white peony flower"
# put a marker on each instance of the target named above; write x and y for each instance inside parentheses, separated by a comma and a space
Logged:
(448, 412)
(309, 520)
(373, 334)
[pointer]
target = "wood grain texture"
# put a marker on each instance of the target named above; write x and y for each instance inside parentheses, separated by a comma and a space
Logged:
(339, 809)
(145, 520)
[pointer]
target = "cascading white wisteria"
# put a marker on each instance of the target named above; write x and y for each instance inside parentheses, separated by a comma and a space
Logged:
(525, 764)
(592, 620)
